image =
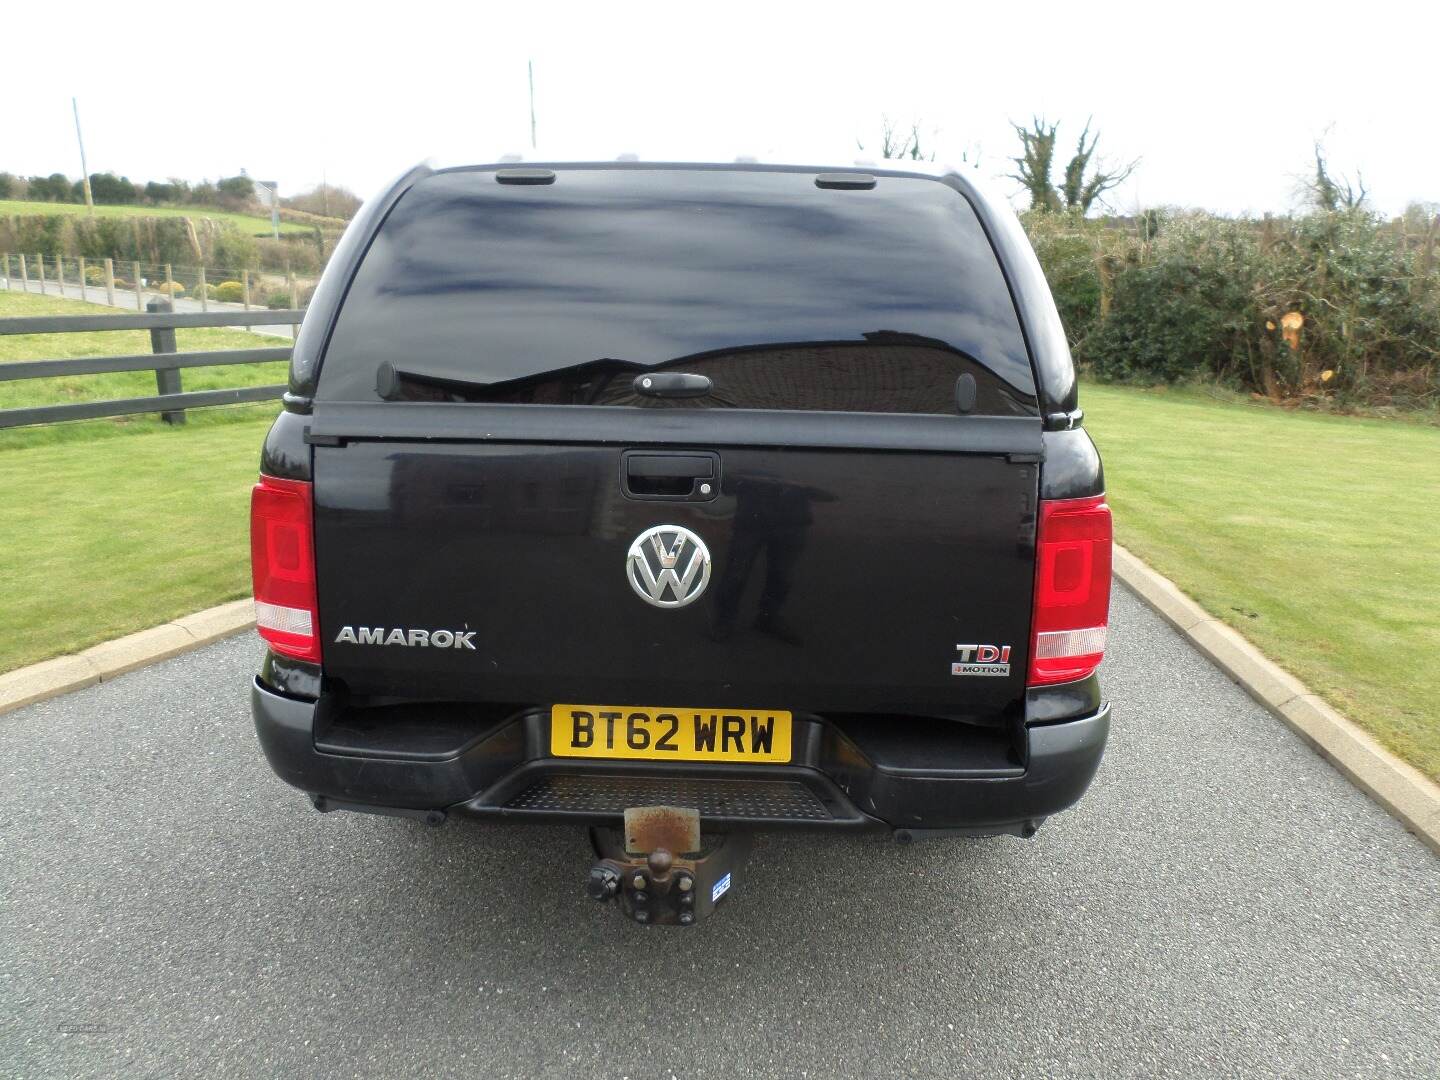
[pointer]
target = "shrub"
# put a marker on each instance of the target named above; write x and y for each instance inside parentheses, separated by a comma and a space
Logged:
(236, 187)
(277, 299)
(94, 275)
(1185, 309)
(282, 256)
(36, 233)
(1164, 298)
(231, 292)
(178, 241)
(231, 247)
(1068, 248)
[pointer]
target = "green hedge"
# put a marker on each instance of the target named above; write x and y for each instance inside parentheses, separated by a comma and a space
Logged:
(180, 241)
(155, 241)
(1167, 298)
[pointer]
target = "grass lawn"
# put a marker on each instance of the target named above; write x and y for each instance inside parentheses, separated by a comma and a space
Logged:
(123, 384)
(247, 223)
(1316, 537)
(110, 526)
(99, 539)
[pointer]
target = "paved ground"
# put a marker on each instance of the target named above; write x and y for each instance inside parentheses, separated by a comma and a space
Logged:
(1222, 903)
(125, 298)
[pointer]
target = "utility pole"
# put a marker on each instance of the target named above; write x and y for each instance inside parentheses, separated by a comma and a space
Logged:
(531, 65)
(84, 169)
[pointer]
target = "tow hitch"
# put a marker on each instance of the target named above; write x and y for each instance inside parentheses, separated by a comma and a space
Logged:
(658, 869)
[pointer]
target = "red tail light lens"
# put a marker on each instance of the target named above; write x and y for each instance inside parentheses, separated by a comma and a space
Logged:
(1072, 590)
(282, 563)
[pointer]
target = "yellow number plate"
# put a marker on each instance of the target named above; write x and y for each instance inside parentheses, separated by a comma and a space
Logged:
(665, 734)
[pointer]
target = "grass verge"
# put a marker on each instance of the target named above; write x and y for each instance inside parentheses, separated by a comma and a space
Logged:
(1316, 537)
(247, 223)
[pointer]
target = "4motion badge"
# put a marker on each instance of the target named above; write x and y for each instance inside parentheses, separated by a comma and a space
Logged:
(991, 660)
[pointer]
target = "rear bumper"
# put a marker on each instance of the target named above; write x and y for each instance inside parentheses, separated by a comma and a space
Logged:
(847, 773)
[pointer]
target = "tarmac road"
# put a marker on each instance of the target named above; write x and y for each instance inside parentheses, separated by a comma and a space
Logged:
(125, 299)
(1222, 903)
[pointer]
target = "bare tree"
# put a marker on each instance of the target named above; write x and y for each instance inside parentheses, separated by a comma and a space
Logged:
(907, 147)
(1037, 157)
(1331, 192)
(327, 200)
(1078, 191)
(893, 145)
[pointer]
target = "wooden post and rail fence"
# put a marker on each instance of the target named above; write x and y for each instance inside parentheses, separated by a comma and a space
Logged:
(170, 400)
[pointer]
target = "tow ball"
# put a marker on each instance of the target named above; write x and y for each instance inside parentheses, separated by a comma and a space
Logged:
(658, 869)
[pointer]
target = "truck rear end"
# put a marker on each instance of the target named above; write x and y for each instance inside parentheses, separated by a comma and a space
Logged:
(664, 499)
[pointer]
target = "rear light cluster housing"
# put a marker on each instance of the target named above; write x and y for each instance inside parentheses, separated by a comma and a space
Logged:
(282, 565)
(1072, 590)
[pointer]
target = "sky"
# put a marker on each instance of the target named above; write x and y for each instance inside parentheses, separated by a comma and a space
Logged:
(1221, 103)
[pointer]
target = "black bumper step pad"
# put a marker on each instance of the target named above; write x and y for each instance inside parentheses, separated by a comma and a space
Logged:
(738, 800)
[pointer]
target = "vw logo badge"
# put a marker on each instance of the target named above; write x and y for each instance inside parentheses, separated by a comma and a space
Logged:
(668, 566)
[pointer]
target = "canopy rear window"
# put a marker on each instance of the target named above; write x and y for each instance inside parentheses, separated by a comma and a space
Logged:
(785, 295)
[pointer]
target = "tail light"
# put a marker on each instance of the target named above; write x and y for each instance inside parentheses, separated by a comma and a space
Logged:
(282, 563)
(1072, 590)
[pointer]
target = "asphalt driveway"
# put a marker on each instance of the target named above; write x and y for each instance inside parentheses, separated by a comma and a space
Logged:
(1222, 903)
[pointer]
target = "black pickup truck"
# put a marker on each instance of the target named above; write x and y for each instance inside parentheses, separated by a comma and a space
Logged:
(668, 499)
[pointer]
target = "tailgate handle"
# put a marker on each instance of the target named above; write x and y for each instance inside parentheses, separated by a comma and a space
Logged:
(672, 384)
(651, 475)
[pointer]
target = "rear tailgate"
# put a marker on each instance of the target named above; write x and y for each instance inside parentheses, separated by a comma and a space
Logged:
(841, 578)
